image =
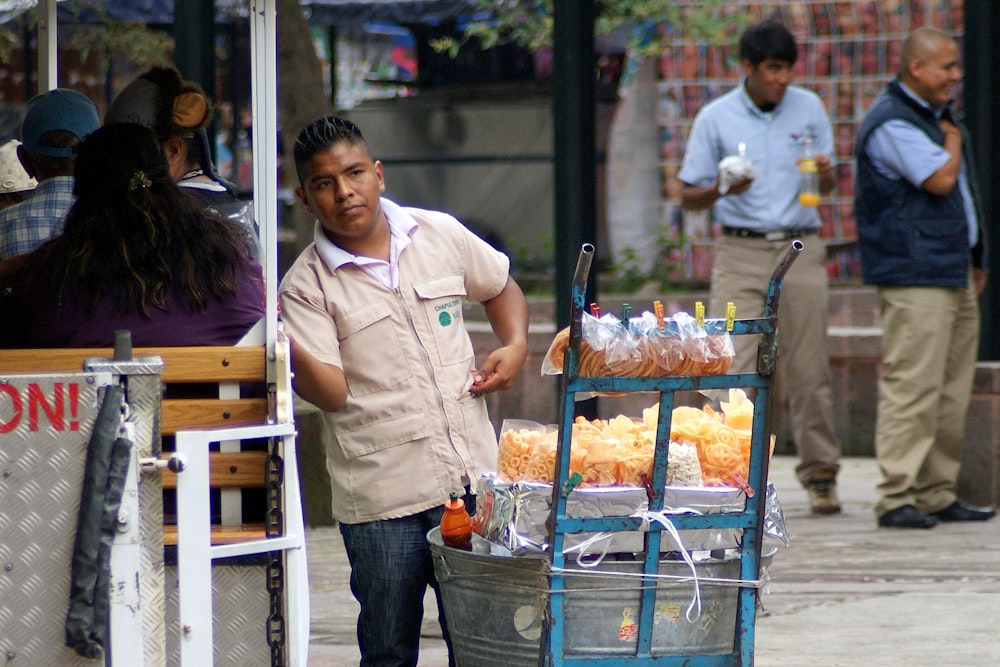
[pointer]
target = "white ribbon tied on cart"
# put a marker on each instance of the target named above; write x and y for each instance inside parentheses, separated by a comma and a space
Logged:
(582, 549)
(734, 169)
(662, 519)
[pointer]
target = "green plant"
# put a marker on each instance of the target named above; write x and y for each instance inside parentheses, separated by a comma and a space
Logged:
(131, 42)
(632, 271)
(649, 23)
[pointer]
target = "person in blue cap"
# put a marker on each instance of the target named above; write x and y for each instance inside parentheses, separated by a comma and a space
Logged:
(55, 122)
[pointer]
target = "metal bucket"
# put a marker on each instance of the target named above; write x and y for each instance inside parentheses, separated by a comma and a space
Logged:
(495, 608)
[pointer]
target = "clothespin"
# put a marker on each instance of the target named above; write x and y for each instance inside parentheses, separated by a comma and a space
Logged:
(730, 315)
(658, 311)
(648, 484)
(699, 313)
(739, 481)
(626, 315)
(571, 483)
(595, 309)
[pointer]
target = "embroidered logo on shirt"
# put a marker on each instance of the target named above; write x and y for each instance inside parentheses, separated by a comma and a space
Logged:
(444, 317)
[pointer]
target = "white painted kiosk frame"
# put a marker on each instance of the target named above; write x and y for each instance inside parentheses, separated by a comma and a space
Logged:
(195, 552)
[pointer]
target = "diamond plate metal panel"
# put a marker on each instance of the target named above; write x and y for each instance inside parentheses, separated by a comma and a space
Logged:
(45, 424)
(240, 607)
(144, 392)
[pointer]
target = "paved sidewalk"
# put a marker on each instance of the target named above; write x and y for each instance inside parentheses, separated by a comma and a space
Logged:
(844, 594)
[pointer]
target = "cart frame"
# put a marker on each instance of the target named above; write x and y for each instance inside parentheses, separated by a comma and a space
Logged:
(750, 520)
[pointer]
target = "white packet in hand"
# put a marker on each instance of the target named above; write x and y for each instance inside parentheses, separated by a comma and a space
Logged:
(734, 169)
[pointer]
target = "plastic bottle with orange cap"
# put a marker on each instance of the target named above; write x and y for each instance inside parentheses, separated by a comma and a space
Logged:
(456, 524)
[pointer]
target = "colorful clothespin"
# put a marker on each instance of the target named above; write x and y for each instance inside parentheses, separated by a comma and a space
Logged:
(730, 315)
(743, 484)
(699, 313)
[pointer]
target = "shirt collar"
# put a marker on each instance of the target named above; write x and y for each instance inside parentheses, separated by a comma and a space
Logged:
(937, 110)
(401, 226)
(751, 106)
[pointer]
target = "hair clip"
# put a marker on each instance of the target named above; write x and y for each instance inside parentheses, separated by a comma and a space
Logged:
(139, 180)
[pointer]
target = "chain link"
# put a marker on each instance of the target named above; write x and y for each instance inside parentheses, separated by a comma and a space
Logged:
(274, 527)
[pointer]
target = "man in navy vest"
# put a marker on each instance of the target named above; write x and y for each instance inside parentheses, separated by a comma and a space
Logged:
(918, 231)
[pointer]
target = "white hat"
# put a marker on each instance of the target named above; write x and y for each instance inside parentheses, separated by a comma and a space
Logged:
(13, 177)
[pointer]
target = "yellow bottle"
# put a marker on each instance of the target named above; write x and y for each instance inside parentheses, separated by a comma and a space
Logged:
(809, 176)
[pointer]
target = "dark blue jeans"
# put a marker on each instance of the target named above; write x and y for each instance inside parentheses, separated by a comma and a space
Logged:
(391, 568)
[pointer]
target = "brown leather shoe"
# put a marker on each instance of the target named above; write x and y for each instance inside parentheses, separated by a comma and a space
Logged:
(823, 495)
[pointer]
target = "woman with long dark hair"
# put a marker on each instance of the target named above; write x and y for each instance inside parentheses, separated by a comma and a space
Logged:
(136, 253)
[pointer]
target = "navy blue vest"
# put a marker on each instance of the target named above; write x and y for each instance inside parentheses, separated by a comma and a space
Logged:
(908, 236)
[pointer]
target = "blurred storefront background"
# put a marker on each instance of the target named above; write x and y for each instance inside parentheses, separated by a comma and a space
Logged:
(474, 133)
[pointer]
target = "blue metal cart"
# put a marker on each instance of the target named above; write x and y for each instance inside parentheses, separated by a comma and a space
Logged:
(750, 520)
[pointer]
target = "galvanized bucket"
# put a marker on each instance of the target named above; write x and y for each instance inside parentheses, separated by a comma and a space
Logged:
(495, 607)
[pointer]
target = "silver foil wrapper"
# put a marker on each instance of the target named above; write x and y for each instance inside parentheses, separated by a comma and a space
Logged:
(514, 515)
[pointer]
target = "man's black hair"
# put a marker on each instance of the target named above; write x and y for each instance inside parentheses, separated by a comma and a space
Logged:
(768, 39)
(320, 135)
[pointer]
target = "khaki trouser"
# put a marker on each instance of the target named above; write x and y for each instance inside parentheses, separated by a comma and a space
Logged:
(929, 345)
(741, 271)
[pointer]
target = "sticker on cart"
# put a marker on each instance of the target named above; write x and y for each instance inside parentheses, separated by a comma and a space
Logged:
(528, 622)
(667, 612)
(628, 629)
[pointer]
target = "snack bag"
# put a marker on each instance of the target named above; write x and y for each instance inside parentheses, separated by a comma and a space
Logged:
(519, 440)
(555, 357)
(720, 350)
(664, 347)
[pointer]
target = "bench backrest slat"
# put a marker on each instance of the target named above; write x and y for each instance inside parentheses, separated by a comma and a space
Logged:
(181, 365)
(199, 413)
(230, 470)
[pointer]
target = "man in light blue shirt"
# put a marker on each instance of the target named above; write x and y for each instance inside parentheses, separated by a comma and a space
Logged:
(772, 139)
(767, 121)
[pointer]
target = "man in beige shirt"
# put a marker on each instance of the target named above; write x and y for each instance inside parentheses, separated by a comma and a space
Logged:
(374, 308)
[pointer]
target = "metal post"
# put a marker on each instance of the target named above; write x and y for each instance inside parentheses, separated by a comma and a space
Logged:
(264, 101)
(48, 46)
(981, 99)
(573, 115)
(194, 36)
(574, 152)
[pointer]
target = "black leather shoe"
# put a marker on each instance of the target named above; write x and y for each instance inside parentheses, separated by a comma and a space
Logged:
(906, 516)
(959, 511)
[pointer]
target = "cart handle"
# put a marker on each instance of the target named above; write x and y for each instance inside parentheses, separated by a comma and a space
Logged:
(580, 291)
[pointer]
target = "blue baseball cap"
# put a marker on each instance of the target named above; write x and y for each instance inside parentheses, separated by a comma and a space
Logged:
(59, 109)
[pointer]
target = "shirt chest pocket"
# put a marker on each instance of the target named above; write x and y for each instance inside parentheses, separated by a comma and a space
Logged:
(374, 356)
(442, 299)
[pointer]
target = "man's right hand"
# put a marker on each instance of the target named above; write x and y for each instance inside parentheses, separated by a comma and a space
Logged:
(738, 188)
(698, 197)
(949, 127)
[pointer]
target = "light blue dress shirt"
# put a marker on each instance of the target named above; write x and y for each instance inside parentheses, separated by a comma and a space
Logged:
(774, 142)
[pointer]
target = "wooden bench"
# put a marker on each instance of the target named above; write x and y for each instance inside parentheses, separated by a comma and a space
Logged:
(223, 370)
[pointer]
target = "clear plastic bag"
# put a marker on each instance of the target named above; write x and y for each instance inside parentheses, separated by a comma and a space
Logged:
(646, 347)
